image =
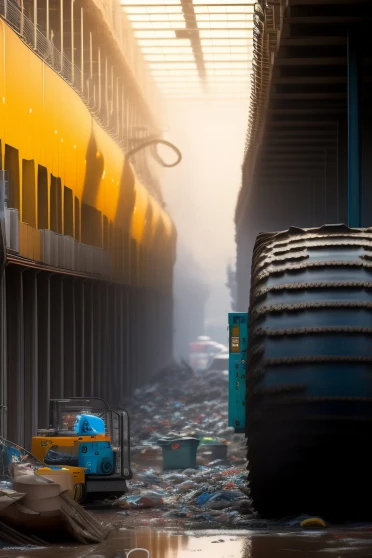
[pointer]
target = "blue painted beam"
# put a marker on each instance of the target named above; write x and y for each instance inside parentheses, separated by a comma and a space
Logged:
(238, 350)
(355, 183)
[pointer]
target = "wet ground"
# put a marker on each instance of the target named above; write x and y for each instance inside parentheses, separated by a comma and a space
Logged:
(216, 544)
(203, 512)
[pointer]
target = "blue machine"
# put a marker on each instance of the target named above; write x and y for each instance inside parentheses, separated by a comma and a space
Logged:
(238, 346)
(97, 458)
(89, 424)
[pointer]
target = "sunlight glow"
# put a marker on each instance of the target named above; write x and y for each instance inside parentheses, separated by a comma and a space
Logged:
(206, 50)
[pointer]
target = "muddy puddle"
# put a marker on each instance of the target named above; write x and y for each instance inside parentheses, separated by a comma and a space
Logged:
(215, 544)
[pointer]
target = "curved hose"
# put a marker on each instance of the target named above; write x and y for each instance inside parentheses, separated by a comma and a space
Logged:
(156, 154)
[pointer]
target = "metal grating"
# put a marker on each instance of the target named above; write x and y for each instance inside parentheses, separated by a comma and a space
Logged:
(195, 48)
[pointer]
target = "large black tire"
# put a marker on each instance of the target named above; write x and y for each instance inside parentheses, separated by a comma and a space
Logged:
(309, 376)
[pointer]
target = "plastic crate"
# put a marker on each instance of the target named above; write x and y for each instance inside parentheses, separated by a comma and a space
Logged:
(179, 453)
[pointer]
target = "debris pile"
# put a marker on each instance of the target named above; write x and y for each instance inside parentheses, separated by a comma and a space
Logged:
(181, 405)
(214, 496)
(32, 505)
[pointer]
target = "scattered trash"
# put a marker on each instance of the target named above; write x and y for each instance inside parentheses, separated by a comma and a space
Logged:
(147, 499)
(32, 505)
(203, 481)
(305, 521)
(187, 485)
(313, 522)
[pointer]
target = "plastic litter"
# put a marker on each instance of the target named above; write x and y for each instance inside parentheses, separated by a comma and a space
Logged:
(203, 498)
(187, 485)
(189, 472)
(313, 522)
(213, 492)
(148, 499)
(305, 521)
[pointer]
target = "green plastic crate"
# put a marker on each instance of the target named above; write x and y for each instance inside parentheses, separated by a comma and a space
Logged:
(179, 453)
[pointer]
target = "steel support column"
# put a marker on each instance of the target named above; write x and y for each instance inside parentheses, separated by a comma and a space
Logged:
(149, 333)
(3, 358)
(47, 18)
(156, 318)
(168, 338)
(153, 331)
(114, 386)
(102, 338)
(97, 340)
(355, 183)
(132, 337)
(15, 353)
(107, 356)
(88, 339)
(106, 107)
(90, 55)
(79, 337)
(171, 326)
(31, 362)
(57, 367)
(43, 310)
(165, 322)
(138, 332)
(72, 42)
(61, 30)
(121, 347)
(22, 18)
(82, 49)
(69, 339)
(128, 385)
(99, 81)
(35, 24)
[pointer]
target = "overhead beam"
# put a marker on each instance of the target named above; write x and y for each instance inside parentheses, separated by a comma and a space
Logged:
(308, 110)
(194, 27)
(291, 175)
(313, 41)
(170, 13)
(301, 132)
(318, 156)
(308, 96)
(328, 20)
(303, 123)
(327, 2)
(317, 61)
(294, 164)
(229, 63)
(298, 141)
(193, 32)
(309, 80)
(302, 150)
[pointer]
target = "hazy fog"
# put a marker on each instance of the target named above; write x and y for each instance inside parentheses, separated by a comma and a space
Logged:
(201, 192)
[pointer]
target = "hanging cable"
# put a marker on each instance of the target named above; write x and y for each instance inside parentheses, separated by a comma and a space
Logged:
(155, 154)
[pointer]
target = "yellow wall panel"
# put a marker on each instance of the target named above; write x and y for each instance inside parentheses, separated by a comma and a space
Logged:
(46, 121)
(139, 213)
(156, 210)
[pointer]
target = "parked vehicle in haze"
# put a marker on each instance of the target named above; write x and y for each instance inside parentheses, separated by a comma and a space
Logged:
(202, 352)
(220, 363)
